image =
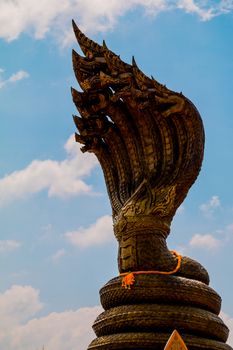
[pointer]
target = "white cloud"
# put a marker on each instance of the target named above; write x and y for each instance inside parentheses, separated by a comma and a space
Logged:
(61, 179)
(209, 208)
(18, 76)
(57, 331)
(13, 78)
(38, 18)
(29, 15)
(206, 241)
(21, 330)
(98, 233)
(8, 246)
(17, 305)
(228, 320)
(190, 6)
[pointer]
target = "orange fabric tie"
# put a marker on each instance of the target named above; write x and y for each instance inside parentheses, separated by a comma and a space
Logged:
(128, 280)
(129, 277)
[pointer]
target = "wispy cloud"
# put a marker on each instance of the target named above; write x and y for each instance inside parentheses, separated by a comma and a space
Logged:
(210, 207)
(60, 178)
(98, 233)
(212, 242)
(38, 18)
(205, 13)
(20, 328)
(13, 78)
(206, 241)
(8, 246)
(58, 255)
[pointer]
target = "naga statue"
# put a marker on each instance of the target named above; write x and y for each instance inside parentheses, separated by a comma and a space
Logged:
(149, 141)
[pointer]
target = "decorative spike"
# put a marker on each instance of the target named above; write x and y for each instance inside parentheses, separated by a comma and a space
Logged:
(88, 46)
(81, 38)
(134, 63)
(78, 34)
(78, 122)
(115, 63)
(80, 64)
(72, 91)
(79, 138)
(75, 56)
(142, 79)
(158, 86)
(74, 25)
(77, 96)
(76, 60)
(104, 45)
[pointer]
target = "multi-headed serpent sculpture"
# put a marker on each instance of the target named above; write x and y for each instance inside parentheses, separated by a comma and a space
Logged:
(149, 141)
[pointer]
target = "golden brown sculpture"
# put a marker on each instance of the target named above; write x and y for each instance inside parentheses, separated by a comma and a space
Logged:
(149, 141)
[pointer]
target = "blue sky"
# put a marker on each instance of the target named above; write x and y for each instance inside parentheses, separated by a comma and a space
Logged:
(56, 245)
